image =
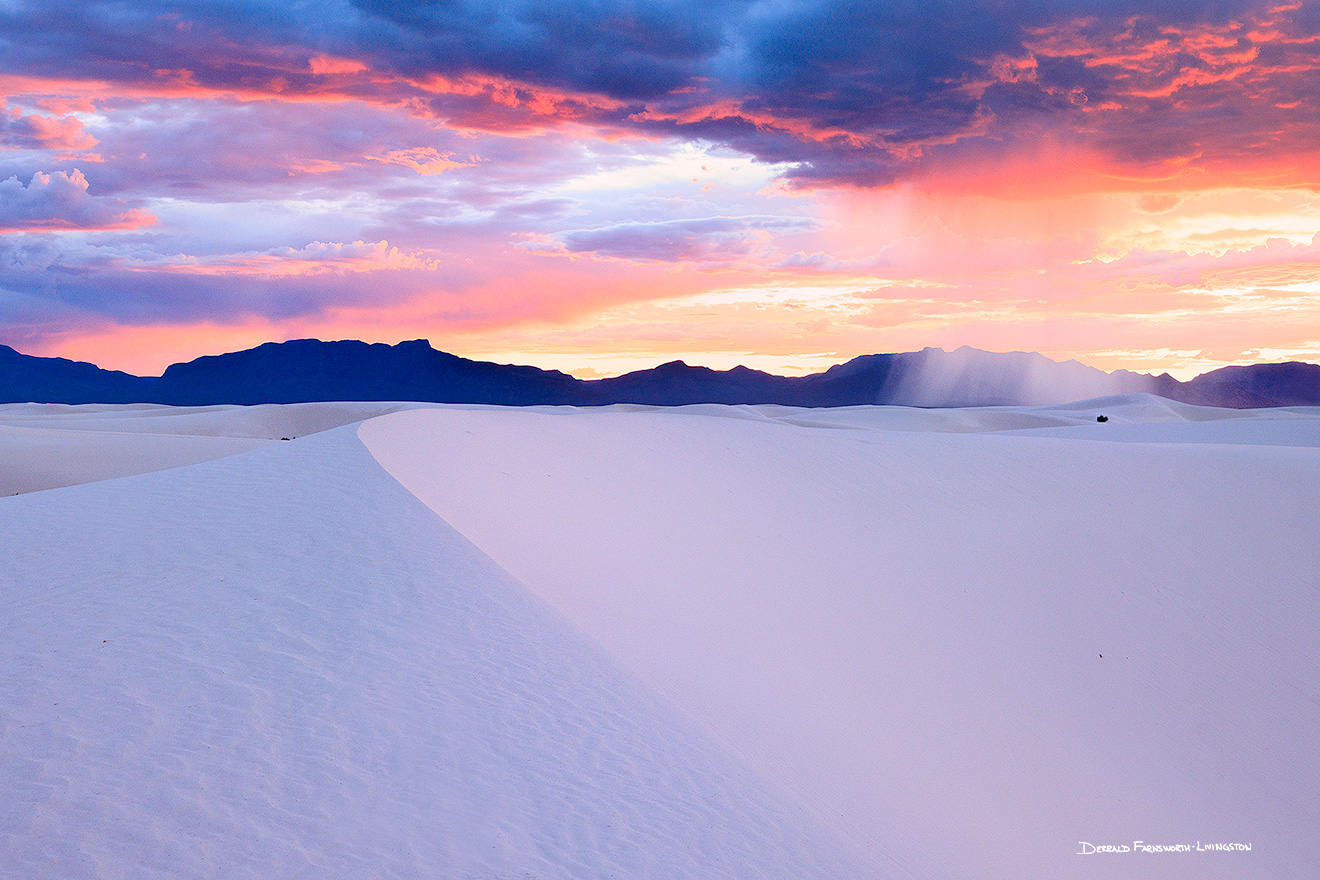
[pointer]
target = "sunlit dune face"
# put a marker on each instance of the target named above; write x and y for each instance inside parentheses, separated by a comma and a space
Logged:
(789, 186)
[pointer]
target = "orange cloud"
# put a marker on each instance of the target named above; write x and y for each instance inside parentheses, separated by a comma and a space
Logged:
(326, 65)
(732, 111)
(483, 103)
(423, 160)
(315, 166)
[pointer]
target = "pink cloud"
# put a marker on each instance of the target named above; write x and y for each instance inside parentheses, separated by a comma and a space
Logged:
(67, 105)
(37, 132)
(327, 65)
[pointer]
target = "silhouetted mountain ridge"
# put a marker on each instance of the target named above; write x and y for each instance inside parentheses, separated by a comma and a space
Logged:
(24, 379)
(306, 370)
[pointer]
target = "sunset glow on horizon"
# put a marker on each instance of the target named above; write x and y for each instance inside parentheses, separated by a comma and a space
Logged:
(603, 187)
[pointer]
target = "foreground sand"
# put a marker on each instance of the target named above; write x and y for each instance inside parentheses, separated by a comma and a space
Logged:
(280, 664)
(700, 642)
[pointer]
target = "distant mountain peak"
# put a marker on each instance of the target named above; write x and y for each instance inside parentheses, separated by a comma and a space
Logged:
(676, 367)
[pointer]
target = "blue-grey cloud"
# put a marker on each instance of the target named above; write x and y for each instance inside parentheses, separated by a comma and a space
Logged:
(60, 201)
(87, 280)
(703, 240)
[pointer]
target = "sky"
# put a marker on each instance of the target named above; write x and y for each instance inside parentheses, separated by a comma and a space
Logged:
(604, 185)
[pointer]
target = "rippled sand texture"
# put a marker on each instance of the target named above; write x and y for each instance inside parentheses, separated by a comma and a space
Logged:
(281, 664)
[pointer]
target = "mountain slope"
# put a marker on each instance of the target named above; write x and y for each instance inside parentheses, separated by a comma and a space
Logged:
(307, 370)
(1287, 384)
(27, 379)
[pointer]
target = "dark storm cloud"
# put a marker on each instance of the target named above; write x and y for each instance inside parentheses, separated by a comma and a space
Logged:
(621, 48)
(848, 91)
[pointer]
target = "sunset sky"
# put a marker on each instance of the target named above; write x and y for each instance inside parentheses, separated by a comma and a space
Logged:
(603, 186)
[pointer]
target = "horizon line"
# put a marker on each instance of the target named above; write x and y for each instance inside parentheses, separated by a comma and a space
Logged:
(478, 358)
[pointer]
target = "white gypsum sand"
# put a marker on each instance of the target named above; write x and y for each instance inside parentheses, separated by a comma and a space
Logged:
(45, 446)
(973, 639)
(281, 664)
(278, 663)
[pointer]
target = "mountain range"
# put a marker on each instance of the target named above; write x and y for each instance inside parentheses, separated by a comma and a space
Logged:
(306, 370)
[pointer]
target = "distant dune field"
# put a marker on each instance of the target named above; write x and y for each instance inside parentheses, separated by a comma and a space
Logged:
(704, 641)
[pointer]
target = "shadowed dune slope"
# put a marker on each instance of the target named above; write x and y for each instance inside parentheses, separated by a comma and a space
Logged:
(48, 445)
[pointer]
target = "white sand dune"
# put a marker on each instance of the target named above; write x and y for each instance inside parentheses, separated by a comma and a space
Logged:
(705, 642)
(280, 664)
(32, 459)
(973, 639)
(45, 446)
